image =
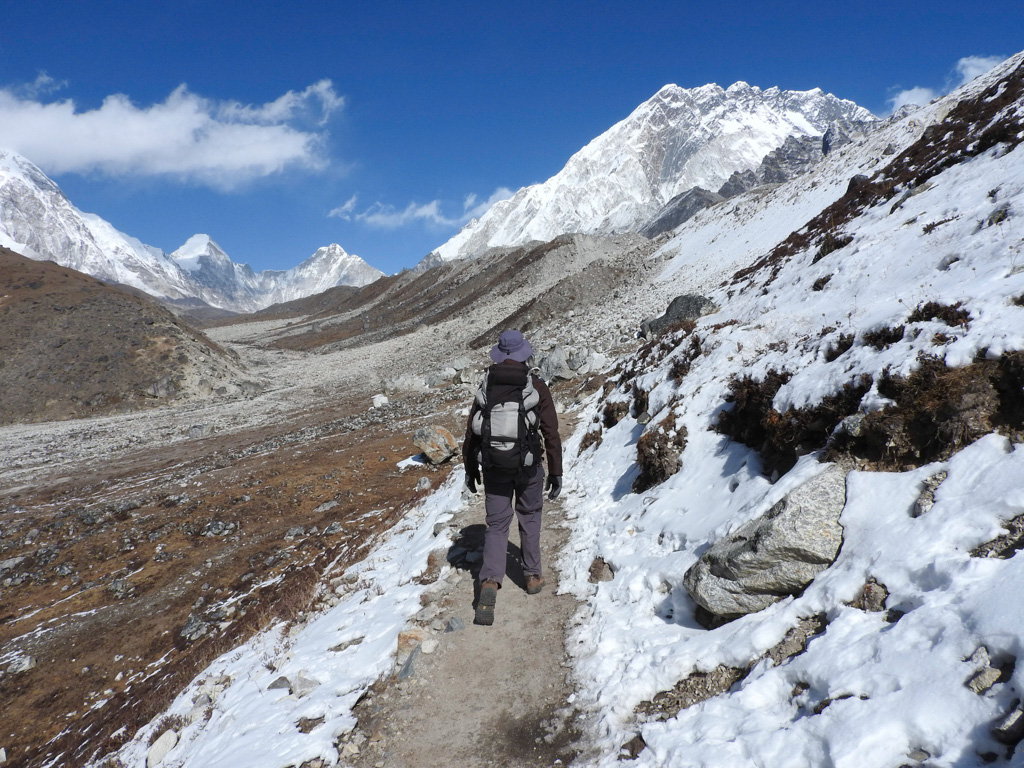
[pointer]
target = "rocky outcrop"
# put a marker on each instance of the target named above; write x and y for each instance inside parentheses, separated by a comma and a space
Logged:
(775, 555)
(686, 308)
(679, 210)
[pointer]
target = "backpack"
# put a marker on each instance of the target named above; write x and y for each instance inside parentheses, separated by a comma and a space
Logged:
(507, 419)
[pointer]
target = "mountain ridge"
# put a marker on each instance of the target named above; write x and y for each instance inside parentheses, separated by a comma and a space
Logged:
(676, 140)
(38, 221)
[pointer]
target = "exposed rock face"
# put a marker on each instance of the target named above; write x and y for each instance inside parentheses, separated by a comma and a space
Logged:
(775, 555)
(683, 308)
(679, 210)
(678, 139)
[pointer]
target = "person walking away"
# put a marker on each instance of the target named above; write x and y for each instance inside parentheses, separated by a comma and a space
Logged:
(512, 412)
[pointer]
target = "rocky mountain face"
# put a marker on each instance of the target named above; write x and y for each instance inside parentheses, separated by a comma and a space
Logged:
(677, 140)
(38, 221)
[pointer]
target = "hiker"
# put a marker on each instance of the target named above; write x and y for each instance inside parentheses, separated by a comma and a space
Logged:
(511, 407)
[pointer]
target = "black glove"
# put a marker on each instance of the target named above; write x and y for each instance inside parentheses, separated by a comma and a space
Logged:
(554, 486)
(472, 478)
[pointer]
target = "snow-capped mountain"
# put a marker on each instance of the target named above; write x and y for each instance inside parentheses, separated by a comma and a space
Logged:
(677, 140)
(38, 221)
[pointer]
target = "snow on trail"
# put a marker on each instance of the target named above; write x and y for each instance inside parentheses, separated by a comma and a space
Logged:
(248, 722)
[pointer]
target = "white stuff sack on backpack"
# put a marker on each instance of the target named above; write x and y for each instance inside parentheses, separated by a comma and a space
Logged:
(507, 428)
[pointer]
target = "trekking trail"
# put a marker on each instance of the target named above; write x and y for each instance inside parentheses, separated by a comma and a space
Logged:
(485, 695)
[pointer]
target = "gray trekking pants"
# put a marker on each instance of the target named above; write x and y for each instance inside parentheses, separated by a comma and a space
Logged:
(528, 489)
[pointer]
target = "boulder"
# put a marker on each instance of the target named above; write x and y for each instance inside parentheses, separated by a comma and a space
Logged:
(554, 366)
(379, 401)
(437, 444)
(441, 378)
(775, 555)
(160, 748)
(688, 307)
(405, 383)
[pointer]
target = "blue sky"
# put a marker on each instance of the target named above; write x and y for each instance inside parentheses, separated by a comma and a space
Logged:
(279, 128)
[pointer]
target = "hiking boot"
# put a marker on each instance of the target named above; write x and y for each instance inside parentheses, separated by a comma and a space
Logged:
(534, 584)
(485, 605)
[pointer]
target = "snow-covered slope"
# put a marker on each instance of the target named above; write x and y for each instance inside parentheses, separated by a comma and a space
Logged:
(938, 223)
(38, 221)
(679, 139)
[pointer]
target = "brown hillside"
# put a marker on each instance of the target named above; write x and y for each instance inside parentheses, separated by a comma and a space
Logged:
(72, 346)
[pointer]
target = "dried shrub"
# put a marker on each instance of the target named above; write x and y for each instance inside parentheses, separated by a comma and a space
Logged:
(931, 226)
(641, 400)
(883, 337)
(821, 282)
(174, 723)
(614, 413)
(937, 411)
(591, 438)
(839, 347)
(657, 455)
(781, 438)
(832, 241)
(951, 315)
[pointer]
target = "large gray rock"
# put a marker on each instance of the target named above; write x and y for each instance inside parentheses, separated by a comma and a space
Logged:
(554, 366)
(689, 306)
(437, 443)
(775, 555)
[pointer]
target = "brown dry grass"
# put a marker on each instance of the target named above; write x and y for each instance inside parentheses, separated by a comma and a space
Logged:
(264, 481)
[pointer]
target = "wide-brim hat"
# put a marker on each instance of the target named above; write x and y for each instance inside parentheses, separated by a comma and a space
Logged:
(511, 345)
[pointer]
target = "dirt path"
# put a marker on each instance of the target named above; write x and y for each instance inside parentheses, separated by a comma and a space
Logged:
(484, 696)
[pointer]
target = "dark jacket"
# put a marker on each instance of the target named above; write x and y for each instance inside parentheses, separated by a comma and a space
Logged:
(548, 429)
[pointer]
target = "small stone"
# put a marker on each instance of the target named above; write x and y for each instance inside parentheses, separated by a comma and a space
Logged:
(294, 532)
(423, 484)
(332, 529)
(1010, 730)
(919, 755)
(350, 750)
(408, 641)
(3, 755)
(455, 624)
(303, 686)
(983, 679)
(327, 506)
(21, 664)
(429, 645)
(279, 684)
(600, 571)
(160, 748)
(407, 669)
(379, 401)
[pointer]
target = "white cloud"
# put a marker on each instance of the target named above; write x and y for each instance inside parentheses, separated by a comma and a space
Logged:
(221, 144)
(388, 217)
(969, 67)
(919, 96)
(344, 211)
(965, 70)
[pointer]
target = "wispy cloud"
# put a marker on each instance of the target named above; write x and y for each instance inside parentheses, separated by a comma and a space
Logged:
(388, 217)
(217, 143)
(965, 70)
